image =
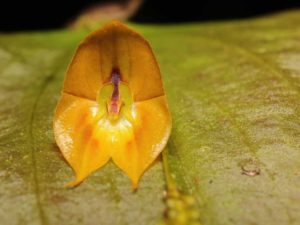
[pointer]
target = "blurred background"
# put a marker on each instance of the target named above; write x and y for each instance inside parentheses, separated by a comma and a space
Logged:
(53, 14)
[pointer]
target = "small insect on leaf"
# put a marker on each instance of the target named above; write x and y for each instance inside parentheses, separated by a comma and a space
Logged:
(113, 105)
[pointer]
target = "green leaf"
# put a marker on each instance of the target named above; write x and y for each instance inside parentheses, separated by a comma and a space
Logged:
(233, 90)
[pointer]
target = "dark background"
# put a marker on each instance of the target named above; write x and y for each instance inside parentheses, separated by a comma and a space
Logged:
(51, 14)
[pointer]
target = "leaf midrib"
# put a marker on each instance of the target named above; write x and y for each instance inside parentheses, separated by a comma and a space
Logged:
(42, 86)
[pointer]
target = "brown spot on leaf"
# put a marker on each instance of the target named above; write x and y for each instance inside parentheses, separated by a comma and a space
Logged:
(200, 76)
(250, 167)
(250, 171)
(57, 199)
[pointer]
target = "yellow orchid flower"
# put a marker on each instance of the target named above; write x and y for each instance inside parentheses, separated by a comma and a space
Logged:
(112, 105)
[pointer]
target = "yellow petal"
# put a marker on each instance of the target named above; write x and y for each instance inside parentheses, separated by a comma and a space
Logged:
(76, 133)
(146, 138)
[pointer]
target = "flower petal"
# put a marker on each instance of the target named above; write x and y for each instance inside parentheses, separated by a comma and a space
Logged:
(76, 133)
(114, 46)
(145, 141)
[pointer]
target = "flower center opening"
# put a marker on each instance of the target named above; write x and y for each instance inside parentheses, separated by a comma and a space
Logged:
(114, 98)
